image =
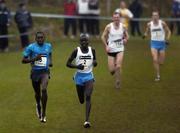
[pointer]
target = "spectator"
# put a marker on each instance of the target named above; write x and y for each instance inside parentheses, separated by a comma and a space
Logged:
(136, 8)
(125, 14)
(94, 11)
(175, 14)
(23, 20)
(83, 12)
(70, 10)
(4, 23)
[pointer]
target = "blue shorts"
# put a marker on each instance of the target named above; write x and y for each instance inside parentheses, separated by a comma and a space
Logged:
(82, 78)
(159, 45)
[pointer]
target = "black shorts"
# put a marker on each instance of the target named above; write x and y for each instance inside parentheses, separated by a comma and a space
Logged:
(37, 75)
(113, 54)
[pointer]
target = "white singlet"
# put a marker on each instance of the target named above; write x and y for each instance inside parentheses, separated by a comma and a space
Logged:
(85, 59)
(157, 31)
(115, 38)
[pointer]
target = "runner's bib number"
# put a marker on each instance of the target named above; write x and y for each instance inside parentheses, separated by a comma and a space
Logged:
(86, 64)
(117, 44)
(157, 35)
(42, 62)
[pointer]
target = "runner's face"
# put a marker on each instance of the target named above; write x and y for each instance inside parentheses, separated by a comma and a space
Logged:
(24, 8)
(84, 43)
(40, 39)
(155, 16)
(116, 18)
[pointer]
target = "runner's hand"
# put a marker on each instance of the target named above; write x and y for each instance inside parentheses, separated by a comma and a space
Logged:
(51, 65)
(167, 42)
(107, 49)
(38, 57)
(124, 41)
(94, 63)
(80, 66)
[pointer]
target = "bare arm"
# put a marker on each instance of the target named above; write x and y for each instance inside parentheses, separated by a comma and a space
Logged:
(94, 58)
(126, 35)
(70, 63)
(50, 60)
(167, 30)
(70, 60)
(104, 36)
(26, 60)
(146, 33)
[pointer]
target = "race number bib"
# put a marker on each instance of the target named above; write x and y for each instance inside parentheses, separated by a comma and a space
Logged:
(157, 35)
(42, 62)
(118, 43)
(84, 63)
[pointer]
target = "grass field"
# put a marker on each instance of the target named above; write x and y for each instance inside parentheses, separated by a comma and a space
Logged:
(140, 106)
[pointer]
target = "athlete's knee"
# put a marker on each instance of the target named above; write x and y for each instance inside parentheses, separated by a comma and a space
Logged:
(155, 60)
(118, 66)
(44, 87)
(44, 83)
(37, 95)
(112, 69)
(88, 98)
(161, 62)
(81, 99)
(44, 92)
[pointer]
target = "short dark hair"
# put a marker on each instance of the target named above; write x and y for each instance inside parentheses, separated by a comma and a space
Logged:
(117, 13)
(155, 9)
(40, 32)
(84, 36)
(21, 4)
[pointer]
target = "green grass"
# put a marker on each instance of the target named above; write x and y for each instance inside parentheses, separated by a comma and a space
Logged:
(141, 106)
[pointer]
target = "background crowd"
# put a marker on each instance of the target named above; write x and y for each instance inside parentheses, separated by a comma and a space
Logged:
(88, 12)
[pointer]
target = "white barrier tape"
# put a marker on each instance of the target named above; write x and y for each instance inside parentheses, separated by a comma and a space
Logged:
(7, 36)
(57, 16)
(90, 17)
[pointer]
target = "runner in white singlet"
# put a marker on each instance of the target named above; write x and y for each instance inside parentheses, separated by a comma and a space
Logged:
(160, 35)
(114, 37)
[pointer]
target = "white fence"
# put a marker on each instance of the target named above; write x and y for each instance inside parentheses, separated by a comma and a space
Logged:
(58, 16)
